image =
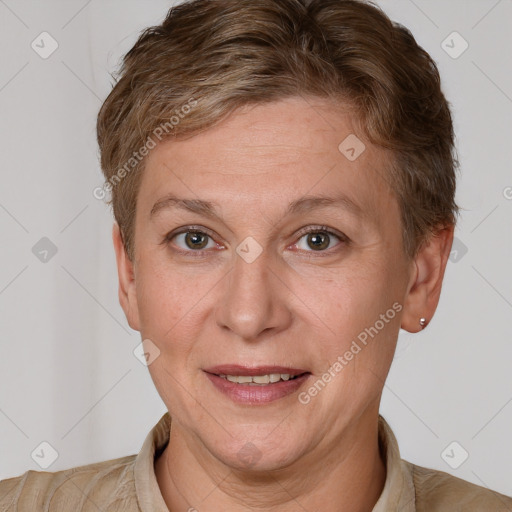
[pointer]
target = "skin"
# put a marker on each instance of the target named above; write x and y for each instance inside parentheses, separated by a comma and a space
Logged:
(290, 307)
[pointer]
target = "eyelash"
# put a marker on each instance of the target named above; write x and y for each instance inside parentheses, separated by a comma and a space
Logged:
(200, 253)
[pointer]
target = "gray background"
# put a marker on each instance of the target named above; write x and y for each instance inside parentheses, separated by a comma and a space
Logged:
(68, 375)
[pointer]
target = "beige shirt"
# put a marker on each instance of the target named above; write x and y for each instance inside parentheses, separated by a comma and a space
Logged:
(129, 484)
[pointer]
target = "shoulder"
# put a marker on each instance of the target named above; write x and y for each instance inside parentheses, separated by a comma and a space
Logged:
(437, 491)
(82, 488)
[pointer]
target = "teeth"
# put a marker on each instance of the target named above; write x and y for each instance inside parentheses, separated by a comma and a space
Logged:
(257, 379)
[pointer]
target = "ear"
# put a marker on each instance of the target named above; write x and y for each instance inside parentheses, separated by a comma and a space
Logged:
(126, 275)
(424, 288)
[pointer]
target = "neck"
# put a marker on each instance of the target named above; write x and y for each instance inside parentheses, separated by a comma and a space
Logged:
(349, 475)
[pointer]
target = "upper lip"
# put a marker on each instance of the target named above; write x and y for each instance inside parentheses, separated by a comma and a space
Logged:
(235, 369)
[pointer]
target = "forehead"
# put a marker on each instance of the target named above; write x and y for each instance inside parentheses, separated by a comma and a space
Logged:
(286, 155)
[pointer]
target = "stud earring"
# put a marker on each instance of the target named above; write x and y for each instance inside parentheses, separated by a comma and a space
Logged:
(423, 322)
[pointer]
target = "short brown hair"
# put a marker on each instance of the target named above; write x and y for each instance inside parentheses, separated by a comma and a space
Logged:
(210, 57)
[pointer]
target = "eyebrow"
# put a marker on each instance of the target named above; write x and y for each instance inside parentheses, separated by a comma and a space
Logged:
(299, 206)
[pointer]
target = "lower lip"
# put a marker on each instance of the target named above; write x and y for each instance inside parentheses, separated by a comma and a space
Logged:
(263, 393)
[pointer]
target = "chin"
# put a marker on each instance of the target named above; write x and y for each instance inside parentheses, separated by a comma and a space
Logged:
(261, 455)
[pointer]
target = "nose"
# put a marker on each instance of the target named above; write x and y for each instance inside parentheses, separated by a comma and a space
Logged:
(254, 299)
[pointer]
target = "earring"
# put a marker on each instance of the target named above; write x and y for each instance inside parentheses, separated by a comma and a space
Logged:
(423, 322)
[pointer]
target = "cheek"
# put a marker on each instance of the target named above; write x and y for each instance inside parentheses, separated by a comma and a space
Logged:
(350, 291)
(172, 300)
(166, 303)
(347, 306)
(163, 299)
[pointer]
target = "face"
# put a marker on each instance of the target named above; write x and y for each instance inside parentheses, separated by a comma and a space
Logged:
(254, 282)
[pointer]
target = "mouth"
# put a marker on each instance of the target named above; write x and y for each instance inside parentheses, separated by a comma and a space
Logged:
(256, 385)
(256, 375)
(260, 380)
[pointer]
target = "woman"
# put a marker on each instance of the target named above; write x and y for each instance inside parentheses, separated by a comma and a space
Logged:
(283, 180)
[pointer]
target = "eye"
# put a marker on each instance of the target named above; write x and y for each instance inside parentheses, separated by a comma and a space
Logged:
(318, 238)
(191, 240)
